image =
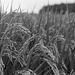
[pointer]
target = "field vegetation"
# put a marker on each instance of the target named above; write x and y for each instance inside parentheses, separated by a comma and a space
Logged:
(37, 44)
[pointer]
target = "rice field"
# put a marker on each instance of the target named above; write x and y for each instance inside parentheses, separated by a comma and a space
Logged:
(37, 44)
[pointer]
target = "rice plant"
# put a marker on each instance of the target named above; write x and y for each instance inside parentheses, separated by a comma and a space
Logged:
(37, 44)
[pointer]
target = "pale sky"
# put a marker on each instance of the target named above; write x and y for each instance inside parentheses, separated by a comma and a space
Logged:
(28, 5)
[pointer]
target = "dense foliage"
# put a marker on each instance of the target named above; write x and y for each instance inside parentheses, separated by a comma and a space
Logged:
(32, 44)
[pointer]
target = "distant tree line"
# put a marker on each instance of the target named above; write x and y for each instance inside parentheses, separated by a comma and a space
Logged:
(57, 8)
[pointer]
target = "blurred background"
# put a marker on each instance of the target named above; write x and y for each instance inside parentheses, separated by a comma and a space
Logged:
(29, 5)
